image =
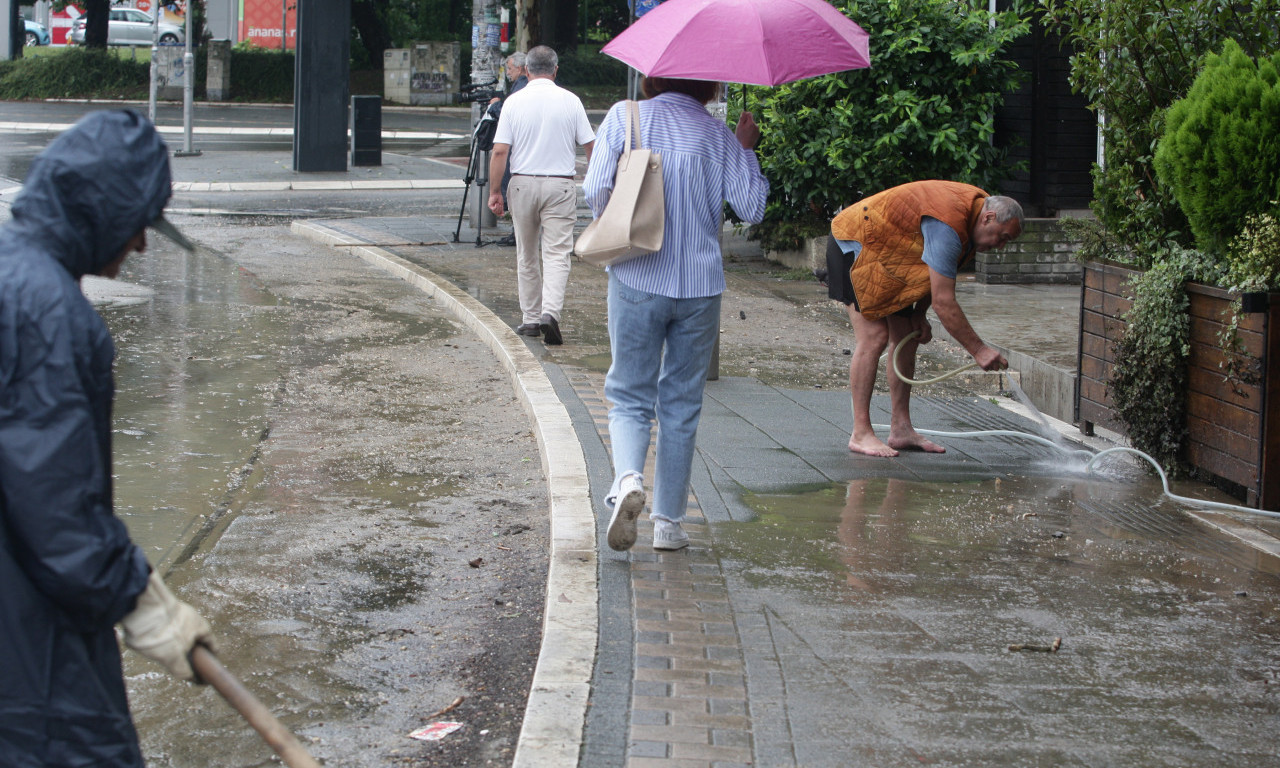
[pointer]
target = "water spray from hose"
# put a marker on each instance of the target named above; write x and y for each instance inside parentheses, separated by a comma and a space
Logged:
(1091, 459)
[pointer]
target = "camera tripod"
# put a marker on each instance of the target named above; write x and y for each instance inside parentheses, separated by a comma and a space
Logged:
(478, 171)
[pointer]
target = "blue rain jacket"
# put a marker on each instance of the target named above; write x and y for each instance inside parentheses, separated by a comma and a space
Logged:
(68, 570)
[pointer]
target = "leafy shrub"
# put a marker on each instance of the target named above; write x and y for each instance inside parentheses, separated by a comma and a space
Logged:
(260, 74)
(589, 67)
(1149, 379)
(923, 110)
(78, 73)
(1153, 407)
(1132, 60)
(1220, 152)
(1254, 264)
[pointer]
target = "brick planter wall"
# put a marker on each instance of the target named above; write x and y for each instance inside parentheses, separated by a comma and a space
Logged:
(1233, 436)
(1042, 254)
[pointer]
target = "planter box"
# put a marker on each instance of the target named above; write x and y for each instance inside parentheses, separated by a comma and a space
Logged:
(1233, 435)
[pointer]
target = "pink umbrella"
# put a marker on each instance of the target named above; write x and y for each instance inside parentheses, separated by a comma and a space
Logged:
(760, 42)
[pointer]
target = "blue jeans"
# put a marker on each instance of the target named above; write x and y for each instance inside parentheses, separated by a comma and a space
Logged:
(661, 349)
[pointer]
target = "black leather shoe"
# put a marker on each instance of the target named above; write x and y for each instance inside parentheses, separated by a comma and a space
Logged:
(551, 330)
(508, 240)
(529, 329)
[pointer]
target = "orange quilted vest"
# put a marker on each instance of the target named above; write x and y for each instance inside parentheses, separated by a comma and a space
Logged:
(889, 274)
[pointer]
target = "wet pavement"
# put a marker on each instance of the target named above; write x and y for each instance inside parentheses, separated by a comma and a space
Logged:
(838, 610)
(990, 606)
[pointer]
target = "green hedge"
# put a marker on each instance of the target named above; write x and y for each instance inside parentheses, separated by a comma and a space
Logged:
(590, 67)
(1220, 153)
(257, 74)
(77, 73)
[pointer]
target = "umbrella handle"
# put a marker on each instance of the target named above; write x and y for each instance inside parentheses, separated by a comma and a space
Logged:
(207, 666)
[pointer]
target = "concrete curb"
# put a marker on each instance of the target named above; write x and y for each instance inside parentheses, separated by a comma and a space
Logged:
(555, 717)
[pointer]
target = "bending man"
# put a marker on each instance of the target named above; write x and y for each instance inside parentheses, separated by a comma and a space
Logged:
(891, 257)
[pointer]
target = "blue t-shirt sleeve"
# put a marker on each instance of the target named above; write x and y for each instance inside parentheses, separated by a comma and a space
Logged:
(942, 249)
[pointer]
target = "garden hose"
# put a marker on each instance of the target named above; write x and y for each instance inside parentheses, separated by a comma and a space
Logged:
(943, 377)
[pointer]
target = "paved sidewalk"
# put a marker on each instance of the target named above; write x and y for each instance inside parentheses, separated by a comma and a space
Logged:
(839, 610)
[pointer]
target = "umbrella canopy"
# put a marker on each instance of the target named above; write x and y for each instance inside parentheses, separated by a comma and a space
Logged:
(760, 42)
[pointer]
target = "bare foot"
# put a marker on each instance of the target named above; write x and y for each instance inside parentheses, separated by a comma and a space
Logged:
(915, 442)
(871, 446)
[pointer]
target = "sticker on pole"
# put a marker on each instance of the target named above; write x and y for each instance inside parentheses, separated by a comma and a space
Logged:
(436, 731)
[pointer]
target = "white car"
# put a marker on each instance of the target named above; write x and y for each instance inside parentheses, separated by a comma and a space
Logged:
(129, 26)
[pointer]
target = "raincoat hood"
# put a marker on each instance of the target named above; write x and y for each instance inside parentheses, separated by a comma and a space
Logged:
(93, 188)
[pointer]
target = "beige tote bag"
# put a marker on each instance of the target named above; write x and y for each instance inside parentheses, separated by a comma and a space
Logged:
(632, 222)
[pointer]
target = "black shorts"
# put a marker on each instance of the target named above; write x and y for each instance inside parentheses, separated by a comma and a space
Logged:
(838, 285)
(838, 265)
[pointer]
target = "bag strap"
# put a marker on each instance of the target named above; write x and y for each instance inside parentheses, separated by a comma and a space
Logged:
(633, 117)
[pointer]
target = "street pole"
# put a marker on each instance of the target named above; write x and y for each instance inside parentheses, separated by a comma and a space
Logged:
(485, 63)
(188, 89)
(155, 60)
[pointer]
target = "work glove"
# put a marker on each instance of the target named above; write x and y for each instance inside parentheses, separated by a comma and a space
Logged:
(165, 629)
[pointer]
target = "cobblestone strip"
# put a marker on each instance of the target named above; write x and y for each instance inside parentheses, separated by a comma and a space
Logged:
(689, 695)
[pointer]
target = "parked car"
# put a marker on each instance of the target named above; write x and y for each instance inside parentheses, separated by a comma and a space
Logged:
(129, 26)
(36, 33)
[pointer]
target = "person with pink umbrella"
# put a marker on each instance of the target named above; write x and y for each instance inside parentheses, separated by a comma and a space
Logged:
(664, 307)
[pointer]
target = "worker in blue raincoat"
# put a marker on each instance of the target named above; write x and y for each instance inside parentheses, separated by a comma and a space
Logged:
(68, 571)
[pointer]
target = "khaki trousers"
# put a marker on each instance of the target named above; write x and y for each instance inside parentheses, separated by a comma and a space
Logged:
(543, 212)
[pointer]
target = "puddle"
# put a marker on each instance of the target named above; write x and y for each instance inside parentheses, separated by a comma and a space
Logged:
(192, 390)
(1020, 621)
(868, 532)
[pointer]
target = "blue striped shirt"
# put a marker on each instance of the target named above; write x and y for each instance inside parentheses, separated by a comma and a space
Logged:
(703, 165)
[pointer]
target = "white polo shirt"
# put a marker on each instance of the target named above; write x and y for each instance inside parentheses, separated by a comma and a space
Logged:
(544, 124)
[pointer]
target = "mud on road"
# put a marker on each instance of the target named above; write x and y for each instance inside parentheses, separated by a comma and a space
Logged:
(379, 560)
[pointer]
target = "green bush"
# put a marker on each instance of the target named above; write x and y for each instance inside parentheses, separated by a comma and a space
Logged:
(923, 110)
(1132, 59)
(1254, 261)
(78, 73)
(590, 67)
(1220, 152)
(262, 75)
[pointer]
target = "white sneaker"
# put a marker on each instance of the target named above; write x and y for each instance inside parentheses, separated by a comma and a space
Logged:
(669, 536)
(627, 507)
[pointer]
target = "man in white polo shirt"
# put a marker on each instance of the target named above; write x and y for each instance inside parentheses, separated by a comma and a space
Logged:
(540, 129)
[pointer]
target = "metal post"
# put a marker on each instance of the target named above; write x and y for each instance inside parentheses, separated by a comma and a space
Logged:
(485, 64)
(155, 60)
(188, 90)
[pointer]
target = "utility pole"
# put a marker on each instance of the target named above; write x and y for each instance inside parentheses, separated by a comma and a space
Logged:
(188, 87)
(486, 34)
(155, 60)
(486, 60)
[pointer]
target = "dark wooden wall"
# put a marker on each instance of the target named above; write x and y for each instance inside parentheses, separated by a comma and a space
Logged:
(1047, 129)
